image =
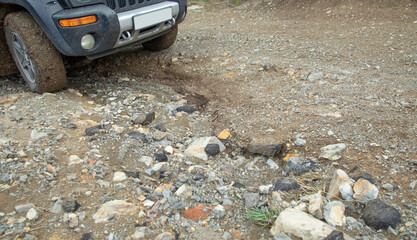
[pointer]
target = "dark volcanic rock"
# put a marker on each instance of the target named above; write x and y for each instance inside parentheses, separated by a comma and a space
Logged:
(285, 185)
(161, 157)
(187, 109)
(212, 149)
(300, 168)
(132, 174)
(266, 150)
(139, 136)
(381, 216)
(71, 206)
(86, 236)
(150, 117)
(335, 235)
(238, 185)
(365, 176)
(93, 130)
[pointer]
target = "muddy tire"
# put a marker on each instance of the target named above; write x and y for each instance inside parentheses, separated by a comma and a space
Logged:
(163, 42)
(7, 65)
(38, 61)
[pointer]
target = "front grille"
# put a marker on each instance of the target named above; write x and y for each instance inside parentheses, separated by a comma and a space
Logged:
(125, 5)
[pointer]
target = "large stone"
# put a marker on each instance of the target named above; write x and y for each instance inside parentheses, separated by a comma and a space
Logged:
(266, 150)
(119, 176)
(24, 207)
(300, 224)
(381, 216)
(72, 220)
(197, 148)
(187, 109)
(365, 191)
(185, 191)
(138, 136)
(197, 213)
(315, 206)
(212, 149)
(32, 214)
(339, 178)
(74, 159)
(71, 206)
(93, 130)
(117, 207)
(57, 208)
(334, 213)
(146, 160)
(332, 152)
(285, 185)
(299, 166)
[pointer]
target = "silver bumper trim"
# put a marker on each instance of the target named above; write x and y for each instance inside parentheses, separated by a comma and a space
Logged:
(129, 35)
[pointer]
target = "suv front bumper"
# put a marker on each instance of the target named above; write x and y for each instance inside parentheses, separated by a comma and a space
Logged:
(112, 31)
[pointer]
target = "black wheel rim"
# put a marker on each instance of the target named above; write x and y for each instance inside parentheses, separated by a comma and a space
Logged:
(23, 59)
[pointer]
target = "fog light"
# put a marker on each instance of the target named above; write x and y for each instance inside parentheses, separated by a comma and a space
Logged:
(88, 42)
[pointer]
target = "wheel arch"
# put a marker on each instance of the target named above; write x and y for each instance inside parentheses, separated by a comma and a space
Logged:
(41, 14)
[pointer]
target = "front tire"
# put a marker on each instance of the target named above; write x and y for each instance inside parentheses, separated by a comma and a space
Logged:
(38, 61)
(163, 42)
(7, 65)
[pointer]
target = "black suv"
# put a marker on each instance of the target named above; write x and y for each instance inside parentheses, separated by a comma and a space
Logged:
(40, 32)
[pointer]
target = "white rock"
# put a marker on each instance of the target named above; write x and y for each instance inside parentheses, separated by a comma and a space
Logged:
(4, 141)
(32, 214)
(118, 207)
(219, 211)
(185, 191)
(119, 176)
(339, 178)
(365, 191)
(388, 187)
(146, 160)
(346, 190)
(141, 214)
(196, 149)
(36, 135)
(300, 142)
(332, 152)
(265, 189)
(74, 159)
(334, 213)
(272, 165)
(72, 220)
(148, 203)
(300, 224)
(413, 184)
(315, 206)
(169, 149)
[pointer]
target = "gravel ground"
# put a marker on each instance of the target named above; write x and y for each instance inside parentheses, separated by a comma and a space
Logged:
(284, 78)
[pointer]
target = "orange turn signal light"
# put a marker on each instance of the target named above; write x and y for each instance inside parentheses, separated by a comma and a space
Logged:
(74, 22)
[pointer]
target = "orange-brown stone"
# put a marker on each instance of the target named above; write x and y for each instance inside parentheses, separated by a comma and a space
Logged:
(196, 213)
